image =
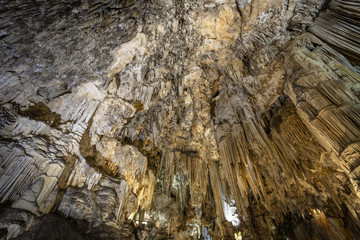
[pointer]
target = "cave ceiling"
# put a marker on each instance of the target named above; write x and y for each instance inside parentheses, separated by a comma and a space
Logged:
(180, 119)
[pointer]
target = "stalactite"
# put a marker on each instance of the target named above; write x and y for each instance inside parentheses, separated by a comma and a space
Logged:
(180, 119)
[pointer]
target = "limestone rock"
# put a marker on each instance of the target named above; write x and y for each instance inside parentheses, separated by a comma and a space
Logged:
(179, 119)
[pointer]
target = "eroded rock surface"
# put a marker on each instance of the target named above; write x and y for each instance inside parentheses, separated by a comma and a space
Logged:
(180, 119)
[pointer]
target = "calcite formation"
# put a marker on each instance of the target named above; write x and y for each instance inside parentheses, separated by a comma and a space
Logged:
(180, 119)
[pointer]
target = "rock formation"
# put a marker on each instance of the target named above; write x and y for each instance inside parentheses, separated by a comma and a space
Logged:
(180, 119)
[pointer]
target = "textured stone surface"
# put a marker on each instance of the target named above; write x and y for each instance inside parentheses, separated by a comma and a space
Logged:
(179, 119)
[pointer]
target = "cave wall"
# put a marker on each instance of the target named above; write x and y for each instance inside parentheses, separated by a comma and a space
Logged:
(179, 119)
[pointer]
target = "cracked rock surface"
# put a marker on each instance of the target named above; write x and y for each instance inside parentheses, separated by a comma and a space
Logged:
(179, 119)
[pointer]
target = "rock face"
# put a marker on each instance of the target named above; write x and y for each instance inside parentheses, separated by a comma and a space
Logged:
(180, 119)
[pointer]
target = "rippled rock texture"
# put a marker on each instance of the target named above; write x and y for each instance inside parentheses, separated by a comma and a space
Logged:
(180, 119)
